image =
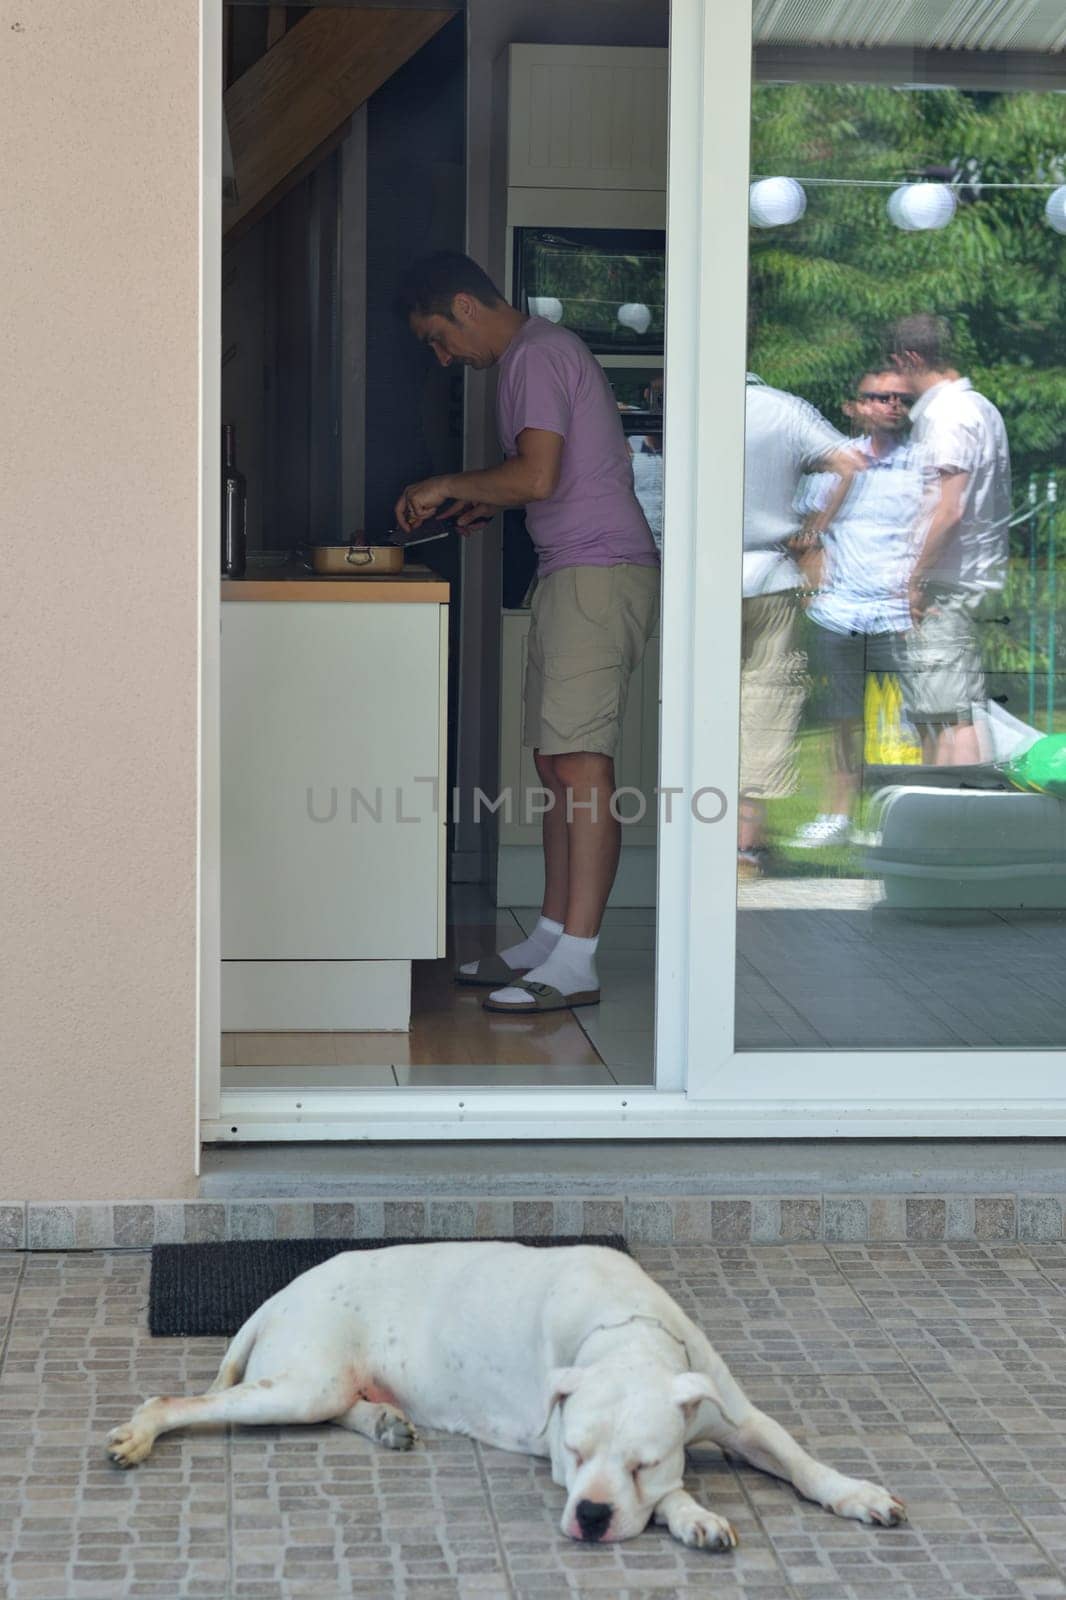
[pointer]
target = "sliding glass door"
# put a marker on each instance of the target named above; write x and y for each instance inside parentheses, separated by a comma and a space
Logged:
(886, 623)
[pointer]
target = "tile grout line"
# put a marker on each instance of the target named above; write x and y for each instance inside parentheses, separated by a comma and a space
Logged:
(1023, 1522)
(492, 1519)
(779, 1559)
(508, 1577)
(821, 1040)
(10, 1327)
(1024, 1244)
(4, 1344)
(231, 1531)
(734, 1464)
(1002, 1494)
(895, 977)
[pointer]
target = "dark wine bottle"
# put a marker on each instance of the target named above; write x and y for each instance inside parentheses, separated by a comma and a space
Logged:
(234, 507)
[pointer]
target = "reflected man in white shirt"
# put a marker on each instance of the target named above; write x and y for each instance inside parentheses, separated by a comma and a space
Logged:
(784, 438)
(860, 607)
(962, 541)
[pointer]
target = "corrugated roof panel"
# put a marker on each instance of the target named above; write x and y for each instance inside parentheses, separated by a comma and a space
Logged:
(1038, 25)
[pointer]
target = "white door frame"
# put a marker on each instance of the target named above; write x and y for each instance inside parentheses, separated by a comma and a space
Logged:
(704, 1087)
(209, 767)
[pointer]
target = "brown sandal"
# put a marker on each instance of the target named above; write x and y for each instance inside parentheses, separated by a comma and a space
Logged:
(492, 972)
(542, 997)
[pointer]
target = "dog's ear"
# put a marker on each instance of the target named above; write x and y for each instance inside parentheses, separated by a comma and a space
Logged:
(689, 1388)
(561, 1382)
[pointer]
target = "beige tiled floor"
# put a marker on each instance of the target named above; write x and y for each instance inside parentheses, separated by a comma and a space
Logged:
(454, 1042)
(937, 1369)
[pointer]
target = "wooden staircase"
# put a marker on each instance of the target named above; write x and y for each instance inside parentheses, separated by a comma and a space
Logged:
(293, 105)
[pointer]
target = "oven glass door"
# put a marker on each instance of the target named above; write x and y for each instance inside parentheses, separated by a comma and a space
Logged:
(607, 285)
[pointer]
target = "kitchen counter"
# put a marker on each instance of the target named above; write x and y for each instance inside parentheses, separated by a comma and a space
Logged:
(412, 585)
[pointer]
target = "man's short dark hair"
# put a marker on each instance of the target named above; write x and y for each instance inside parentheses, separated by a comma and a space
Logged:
(431, 283)
(928, 336)
(879, 369)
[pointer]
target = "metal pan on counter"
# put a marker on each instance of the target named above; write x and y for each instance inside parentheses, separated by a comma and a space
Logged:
(364, 558)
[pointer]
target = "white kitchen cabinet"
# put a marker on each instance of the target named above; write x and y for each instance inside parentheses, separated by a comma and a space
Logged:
(333, 814)
(586, 117)
(519, 861)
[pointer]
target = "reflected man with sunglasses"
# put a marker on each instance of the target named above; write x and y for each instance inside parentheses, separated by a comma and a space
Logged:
(860, 569)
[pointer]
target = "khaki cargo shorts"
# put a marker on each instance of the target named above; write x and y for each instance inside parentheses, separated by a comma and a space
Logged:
(773, 686)
(589, 629)
(940, 666)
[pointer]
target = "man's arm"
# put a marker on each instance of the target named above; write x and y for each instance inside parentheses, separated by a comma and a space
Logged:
(845, 465)
(806, 547)
(532, 474)
(947, 514)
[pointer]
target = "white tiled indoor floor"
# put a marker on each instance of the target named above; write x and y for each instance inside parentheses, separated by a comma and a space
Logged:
(453, 1041)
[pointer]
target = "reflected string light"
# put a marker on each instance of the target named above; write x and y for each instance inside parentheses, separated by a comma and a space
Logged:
(546, 306)
(775, 202)
(635, 316)
(917, 206)
(1055, 209)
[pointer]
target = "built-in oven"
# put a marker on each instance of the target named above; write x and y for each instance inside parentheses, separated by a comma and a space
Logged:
(606, 284)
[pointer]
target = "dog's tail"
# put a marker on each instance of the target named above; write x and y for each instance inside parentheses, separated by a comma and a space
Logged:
(236, 1358)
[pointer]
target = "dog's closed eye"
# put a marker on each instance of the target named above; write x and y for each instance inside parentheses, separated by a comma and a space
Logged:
(643, 1466)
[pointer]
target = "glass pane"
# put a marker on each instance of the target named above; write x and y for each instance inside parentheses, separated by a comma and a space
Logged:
(608, 285)
(902, 848)
(639, 392)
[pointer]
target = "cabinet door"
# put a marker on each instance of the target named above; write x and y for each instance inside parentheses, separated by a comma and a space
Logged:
(331, 716)
(587, 117)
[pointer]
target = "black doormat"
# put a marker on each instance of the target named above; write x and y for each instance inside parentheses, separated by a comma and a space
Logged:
(200, 1290)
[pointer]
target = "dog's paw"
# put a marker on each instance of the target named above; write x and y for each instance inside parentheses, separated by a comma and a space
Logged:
(128, 1445)
(393, 1430)
(702, 1530)
(868, 1502)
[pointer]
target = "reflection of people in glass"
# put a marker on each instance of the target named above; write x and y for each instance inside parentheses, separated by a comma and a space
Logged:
(962, 539)
(860, 608)
(647, 452)
(784, 439)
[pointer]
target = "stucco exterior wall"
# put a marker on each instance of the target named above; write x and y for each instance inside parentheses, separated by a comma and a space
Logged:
(98, 506)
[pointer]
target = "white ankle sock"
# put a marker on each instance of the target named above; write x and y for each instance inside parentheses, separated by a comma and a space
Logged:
(538, 947)
(571, 968)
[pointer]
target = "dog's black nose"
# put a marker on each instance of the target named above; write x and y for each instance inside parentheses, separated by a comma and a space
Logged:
(592, 1518)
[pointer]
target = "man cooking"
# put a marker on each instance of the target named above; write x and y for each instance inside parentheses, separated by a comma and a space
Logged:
(594, 608)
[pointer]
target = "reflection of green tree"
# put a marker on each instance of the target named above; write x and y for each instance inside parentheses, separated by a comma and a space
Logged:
(592, 285)
(824, 288)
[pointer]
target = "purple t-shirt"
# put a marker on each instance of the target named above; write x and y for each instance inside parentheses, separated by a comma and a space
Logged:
(549, 380)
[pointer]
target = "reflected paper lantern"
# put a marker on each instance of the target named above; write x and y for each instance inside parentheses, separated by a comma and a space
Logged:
(773, 202)
(1055, 209)
(635, 317)
(917, 206)
(546, 306)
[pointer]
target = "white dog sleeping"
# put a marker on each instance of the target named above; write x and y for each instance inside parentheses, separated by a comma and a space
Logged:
(572, 1352)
